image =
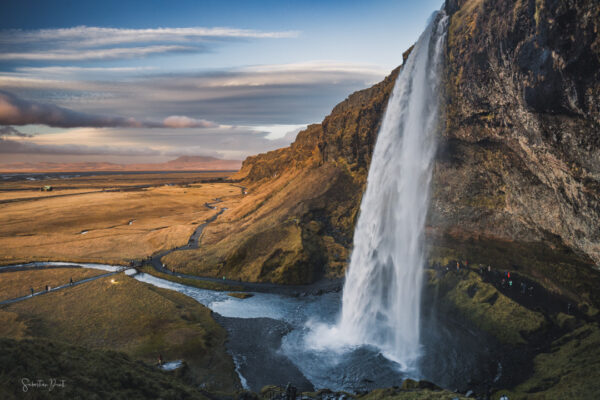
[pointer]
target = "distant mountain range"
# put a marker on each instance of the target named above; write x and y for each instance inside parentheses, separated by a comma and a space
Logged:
(183, 163)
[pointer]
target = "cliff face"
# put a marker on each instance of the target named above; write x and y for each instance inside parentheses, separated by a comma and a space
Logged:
(516, 182)
(518, 175)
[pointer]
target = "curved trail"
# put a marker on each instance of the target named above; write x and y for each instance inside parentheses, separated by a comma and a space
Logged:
(319, 287)
(316, 288)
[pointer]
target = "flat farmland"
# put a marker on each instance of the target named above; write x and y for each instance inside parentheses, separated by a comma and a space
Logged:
(106, 226)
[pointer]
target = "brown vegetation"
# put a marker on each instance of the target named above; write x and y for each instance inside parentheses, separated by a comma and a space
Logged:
(106, 227)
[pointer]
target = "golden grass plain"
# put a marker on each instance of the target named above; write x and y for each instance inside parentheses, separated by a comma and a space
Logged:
(107, 227)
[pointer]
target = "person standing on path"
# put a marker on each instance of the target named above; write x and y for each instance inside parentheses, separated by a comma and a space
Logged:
(31, 291)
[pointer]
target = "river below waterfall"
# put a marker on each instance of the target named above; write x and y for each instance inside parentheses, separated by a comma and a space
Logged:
(270, 342)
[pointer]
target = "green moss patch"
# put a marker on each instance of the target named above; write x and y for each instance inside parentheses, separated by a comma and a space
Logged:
(484, 306)
(569, 370)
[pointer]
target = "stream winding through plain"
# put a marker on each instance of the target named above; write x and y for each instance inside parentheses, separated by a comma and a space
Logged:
(271, 336)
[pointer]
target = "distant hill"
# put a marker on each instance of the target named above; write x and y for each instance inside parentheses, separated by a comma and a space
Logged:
(183, 163)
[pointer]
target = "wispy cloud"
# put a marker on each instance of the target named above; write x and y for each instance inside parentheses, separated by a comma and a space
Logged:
(181, 121)
(67, 70)
(98, 43)
(96, 54)
(90, 36)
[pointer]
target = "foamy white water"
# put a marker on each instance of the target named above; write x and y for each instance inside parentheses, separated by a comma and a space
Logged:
(382, 293)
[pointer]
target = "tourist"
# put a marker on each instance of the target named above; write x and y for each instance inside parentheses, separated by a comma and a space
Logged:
(46, 288)
(31, 291)
(457, 266)
(489, 268)
(160, 360)
(71, 282)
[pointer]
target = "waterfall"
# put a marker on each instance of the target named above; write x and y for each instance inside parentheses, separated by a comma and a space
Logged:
(382, 293)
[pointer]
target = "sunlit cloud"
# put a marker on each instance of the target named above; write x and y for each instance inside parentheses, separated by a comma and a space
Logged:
(181, 121)
(231, 142)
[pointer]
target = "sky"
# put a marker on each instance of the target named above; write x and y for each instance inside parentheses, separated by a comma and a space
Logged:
(149, 80)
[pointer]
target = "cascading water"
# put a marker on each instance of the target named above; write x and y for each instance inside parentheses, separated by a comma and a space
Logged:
(382, 293)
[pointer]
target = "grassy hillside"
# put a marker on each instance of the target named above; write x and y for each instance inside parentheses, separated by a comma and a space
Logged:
(121, 314)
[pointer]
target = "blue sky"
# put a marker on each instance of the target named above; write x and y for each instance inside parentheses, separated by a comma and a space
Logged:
(143, 81)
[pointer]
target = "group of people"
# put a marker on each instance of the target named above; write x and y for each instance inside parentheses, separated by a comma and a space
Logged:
(504, 281)
(49, 288)
(507, 282)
